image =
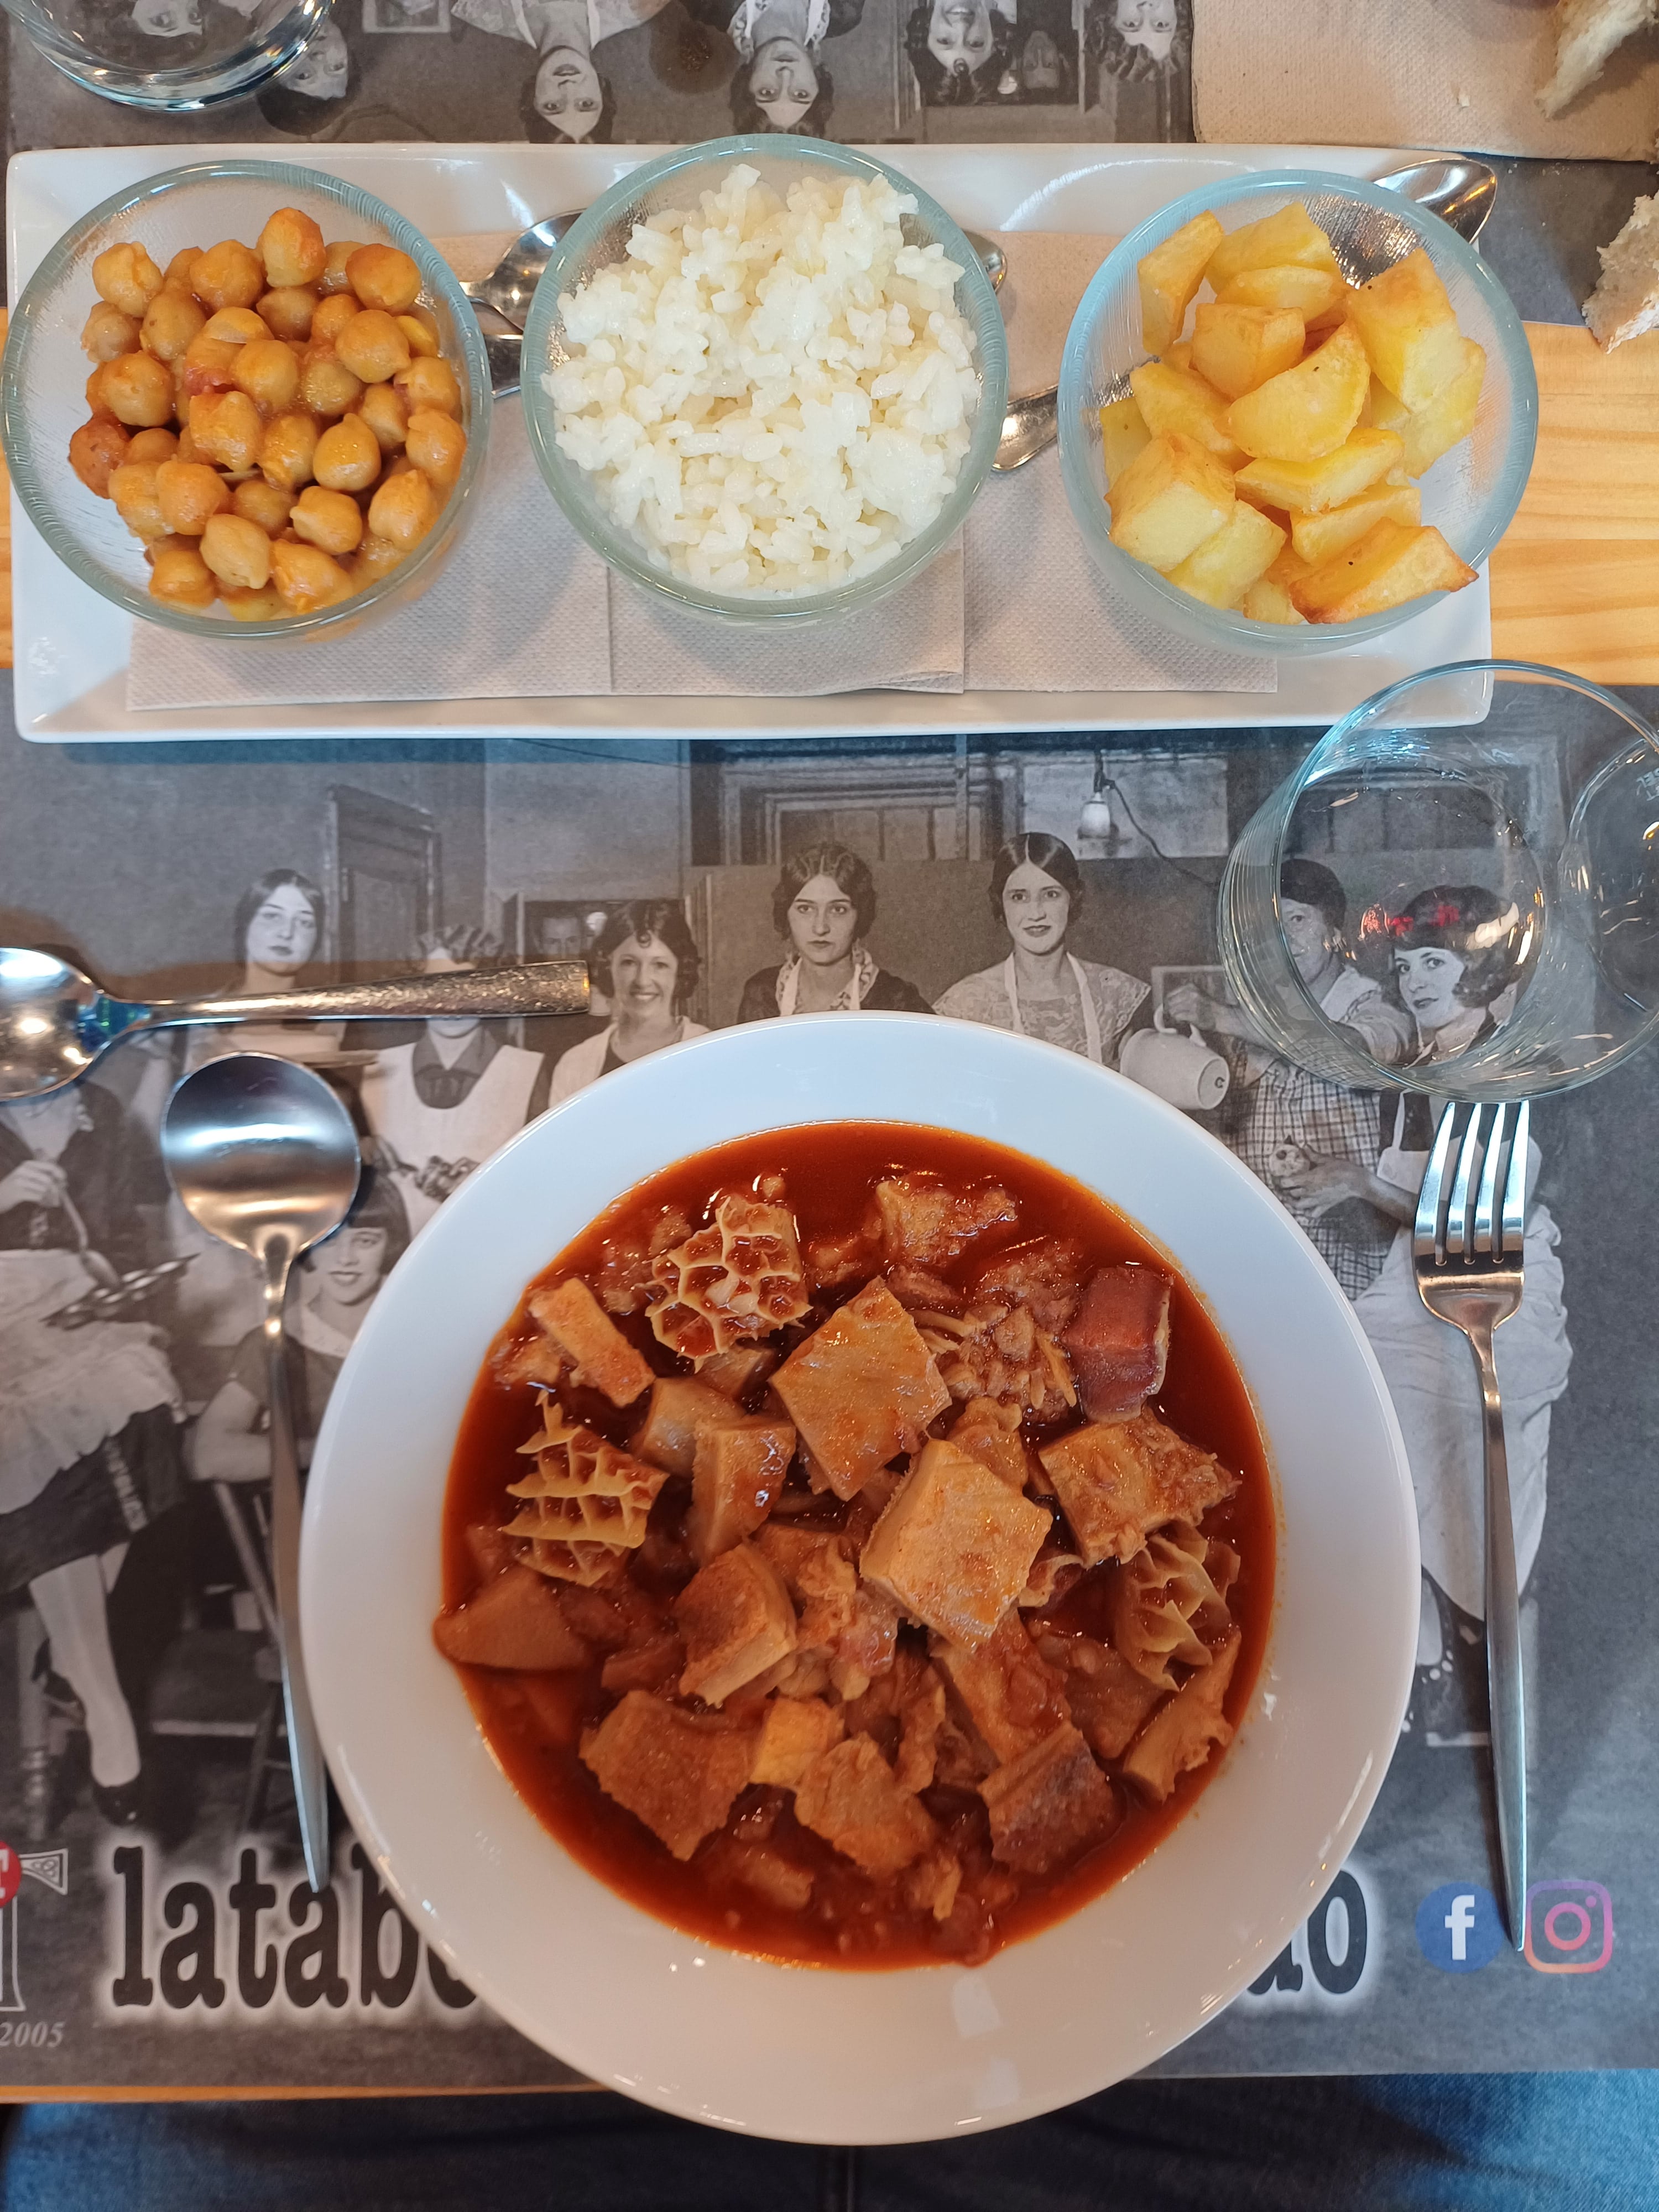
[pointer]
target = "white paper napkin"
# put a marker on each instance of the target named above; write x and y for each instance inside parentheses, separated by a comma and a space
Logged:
(1041, 618)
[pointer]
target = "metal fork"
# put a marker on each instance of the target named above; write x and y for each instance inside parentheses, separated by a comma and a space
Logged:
(1466, 1247)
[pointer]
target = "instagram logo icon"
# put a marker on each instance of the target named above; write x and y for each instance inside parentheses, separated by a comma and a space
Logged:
(1568, 1927)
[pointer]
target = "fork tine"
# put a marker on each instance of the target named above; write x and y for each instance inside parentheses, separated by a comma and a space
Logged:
(1515, 1188)
(1425, 1231)
(1460, 1208)
(1484, 1241)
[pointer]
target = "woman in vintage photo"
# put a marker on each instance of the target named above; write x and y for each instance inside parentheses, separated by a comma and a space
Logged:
(1452, 950)
(309, 99)
(824, 906)
(646, 961)
(1042, 989)
(780, 82)
(961, 51)
(1141, 53)
(333, 1288)
(89, 1438)
(439, 1106)
(564, 99)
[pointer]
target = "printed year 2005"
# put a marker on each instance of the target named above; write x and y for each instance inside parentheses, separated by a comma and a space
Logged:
(31, 2034)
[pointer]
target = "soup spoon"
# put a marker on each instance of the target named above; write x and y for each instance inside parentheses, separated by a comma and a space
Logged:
(262, 1155)
(1460, 192)
(55, 1022)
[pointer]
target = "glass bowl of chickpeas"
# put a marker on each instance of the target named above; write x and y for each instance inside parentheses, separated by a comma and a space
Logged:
(245, 400)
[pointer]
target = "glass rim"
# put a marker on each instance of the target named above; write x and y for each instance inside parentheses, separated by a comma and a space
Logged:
(17, 431)
(175, 92)
(762, 611)
(1226, 627)
(1366, 714)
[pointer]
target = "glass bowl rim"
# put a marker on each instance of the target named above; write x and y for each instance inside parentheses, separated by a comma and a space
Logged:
(758, 610)
(1225, 626)
(17, 435)
(1367, 710)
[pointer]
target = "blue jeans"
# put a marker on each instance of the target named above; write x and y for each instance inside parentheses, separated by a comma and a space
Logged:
(1548, 2142)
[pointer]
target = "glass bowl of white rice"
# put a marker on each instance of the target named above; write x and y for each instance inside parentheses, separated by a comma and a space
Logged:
(765, 377)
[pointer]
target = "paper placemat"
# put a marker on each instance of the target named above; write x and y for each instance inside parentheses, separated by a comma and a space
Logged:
(1457, 74)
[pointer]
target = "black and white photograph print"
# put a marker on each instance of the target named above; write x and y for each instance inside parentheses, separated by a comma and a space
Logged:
(646, 966)
(384, 17)
(1138, 70)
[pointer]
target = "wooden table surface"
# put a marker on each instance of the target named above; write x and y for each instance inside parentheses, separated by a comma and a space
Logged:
(1576, 581)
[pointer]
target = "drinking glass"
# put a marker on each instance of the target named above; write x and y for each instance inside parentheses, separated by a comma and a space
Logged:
(1486, 838)
(175, 54)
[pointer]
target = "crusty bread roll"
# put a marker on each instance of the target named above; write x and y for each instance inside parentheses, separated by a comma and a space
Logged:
(1587, 32)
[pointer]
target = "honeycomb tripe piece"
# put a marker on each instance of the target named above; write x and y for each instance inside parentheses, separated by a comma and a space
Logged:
(583, 1490)
(1118, 1480)
(676, 1772)
(736, 1279)
(1182, 1733)
(955, 1544)
(599, 1352)
(861, 1389)
(736, 1620)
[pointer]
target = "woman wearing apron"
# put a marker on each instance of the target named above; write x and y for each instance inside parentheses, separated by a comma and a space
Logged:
(1042, 989)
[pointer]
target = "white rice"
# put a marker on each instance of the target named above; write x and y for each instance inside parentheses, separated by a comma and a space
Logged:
(770, 397)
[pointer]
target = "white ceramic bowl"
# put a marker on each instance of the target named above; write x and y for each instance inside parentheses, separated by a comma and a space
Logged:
(809, 2054)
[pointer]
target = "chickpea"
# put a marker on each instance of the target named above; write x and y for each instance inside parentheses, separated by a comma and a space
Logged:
(430, 384)
(238, 551)
(178, 275)
(235, 326)
(286, 450)
(269, 372)
(403, 509)
(436, 444)
(265, 606)
(190, 494)
(268, 504)
(307, 577)
(209, 364)
(420, 341)
(138, 391)
(152, 447)
(180, 576)
(107, 333)
(287, 312)
(347, 455)
(96, 403)
(228, 274)
(132, 489)
(127, 277)
(332, 519)
(327, 387)
(334, 277)
(186, 447)
(226, 429)
(332, 315)
(291, 245)
(96, 451)
(382, 408)
(172, 323)
(372, 346)
(376, 557)
(384, 277)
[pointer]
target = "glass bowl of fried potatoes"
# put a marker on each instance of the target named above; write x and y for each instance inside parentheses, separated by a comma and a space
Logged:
(1295, 410)
(185, 422)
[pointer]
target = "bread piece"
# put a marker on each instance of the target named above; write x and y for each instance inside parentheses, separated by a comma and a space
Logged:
(1625, 302)
(1586, 33)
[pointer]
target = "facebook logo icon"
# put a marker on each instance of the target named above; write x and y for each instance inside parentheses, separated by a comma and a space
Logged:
(1459, 1928)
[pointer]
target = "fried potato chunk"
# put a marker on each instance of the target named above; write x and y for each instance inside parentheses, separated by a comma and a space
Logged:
(1236, 348)
(1223, 568)
(1169, 499)
(1179, 399)
(1311, 487)
(1389, 565)
(1123, 434)
(1408, 327)
(1308, 411)
(1169, 278)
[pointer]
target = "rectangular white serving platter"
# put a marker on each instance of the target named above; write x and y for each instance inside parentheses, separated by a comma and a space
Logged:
(72, 646)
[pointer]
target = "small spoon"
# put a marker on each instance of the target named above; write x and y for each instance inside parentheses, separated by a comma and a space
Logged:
(1460, 192)
(511, 284)
(55, 1022)
(264, 1156)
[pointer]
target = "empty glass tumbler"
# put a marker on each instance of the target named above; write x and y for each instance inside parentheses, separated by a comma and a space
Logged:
(1458, 891)
(175, 54)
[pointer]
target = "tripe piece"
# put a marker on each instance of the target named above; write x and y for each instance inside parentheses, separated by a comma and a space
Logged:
(1108, 1700)
(1049, 1804)
(582, 1490)
(735, 1474)
(683, 1408)
(861, 1389)
(925, 1223)
(1118, 1341)
(990, 1430)
(1156, 1601)
(737, 1620)
(675, 1772)
(513, 1621)
(795, 1732)
(1182, 1733)
(601, 1355)
(851, 1798)
(955, 1544)
(1118, 1480)
(1014, 1697)
(739, 1279)
(851, 1621)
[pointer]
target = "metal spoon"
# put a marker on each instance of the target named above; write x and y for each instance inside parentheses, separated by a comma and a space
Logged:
(55, 1022)
(264, 1156)
(1460, 192)
(511, 284)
